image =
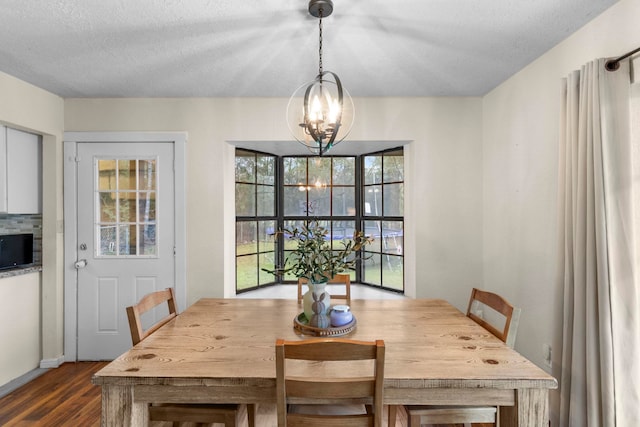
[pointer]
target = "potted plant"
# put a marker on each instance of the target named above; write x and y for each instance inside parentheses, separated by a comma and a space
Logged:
(315, 260)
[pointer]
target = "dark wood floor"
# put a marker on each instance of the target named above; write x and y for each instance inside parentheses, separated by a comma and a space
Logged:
(65, 397)
(60, 397)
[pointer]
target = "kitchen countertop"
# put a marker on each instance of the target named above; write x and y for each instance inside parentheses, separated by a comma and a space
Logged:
(19, 271)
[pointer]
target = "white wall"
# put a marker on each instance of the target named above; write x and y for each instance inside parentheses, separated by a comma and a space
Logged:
(32, 109)
(520, 167)
(444, 176)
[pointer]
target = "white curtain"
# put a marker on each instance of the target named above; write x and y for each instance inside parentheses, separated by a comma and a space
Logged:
(600, 382)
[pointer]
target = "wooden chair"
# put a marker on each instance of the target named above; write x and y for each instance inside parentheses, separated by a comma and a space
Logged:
(424, 415)
(343, 278)
(511, 314)
(331, 387)
(149, 302)
(229, 415)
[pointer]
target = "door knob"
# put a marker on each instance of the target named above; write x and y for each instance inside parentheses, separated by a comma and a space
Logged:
(80, 264)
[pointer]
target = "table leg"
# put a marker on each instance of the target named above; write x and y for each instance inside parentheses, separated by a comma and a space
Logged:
(531, 409)
(119, 410)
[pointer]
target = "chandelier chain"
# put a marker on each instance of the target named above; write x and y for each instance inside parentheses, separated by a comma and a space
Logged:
(320, 43)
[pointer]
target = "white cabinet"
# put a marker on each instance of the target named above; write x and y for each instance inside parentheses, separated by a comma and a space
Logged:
(20, 172)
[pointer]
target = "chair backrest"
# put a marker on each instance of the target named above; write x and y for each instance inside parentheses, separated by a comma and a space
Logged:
(148, 302)
(511, 315)
(329, 384)
(343, 278)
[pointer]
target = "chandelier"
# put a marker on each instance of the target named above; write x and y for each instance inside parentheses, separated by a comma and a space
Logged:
(320, 112)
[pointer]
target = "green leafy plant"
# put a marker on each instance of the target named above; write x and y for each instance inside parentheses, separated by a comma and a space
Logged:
(313, 258)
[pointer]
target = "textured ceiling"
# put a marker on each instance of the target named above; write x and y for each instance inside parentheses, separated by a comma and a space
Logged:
(209, 48)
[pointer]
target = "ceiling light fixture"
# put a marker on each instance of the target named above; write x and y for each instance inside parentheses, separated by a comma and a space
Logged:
(320, 113)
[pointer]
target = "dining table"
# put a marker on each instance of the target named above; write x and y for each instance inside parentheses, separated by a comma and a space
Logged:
(222, 350)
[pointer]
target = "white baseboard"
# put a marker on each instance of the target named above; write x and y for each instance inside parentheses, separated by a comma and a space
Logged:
(51, 363)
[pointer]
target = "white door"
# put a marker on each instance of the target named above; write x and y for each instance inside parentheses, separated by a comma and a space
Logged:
(125, 238)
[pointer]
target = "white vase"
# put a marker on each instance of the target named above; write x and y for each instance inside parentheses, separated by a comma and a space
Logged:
(322, 300)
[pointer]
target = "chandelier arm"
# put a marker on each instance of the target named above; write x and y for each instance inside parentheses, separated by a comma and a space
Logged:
(334, 134)
(313, 132)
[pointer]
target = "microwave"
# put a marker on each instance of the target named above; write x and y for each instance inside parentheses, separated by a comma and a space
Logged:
(16, 250)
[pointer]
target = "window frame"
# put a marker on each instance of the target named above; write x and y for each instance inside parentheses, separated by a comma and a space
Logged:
(359, 218)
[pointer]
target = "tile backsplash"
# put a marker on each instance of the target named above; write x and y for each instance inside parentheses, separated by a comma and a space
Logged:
(27, 223)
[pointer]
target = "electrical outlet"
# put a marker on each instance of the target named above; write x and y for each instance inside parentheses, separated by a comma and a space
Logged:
(546, 354)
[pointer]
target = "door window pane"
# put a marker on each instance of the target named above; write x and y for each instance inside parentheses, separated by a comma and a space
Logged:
(126, 213)
(147, 174)
(127, 174)
(106, 175)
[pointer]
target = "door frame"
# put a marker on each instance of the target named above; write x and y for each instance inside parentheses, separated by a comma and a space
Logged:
(69, 228)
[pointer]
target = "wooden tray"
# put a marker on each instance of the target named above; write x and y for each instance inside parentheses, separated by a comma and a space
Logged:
(300, 323)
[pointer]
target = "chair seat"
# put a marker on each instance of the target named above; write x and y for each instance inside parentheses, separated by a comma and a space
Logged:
(419, 415)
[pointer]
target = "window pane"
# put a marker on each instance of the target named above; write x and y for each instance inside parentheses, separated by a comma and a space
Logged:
(290, 256)
(319, 202)
(341, 230)
(245, 200)
(392, 237)
(372, 170)
(372, 229)
(106, 174)
(246, 272)
(107, 240)
(392, 272)
(245, 166)
(373, 200)
(266, 261)
(246, 242)
(295, 170)
(147, 204)
(127, 204)
(266, 170)
(147, 174)
(295, 201)
(319, 171)
(148, 239)
(292, 225)
(107, 207)
(393, 166)
(344, 171)
(128, 238)
(127, 174)
(344, 201)
(371, 271)
(267, 238)
(266, 200)
(393, 199)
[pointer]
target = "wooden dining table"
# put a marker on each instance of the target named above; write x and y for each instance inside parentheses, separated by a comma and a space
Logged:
(223, 351)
